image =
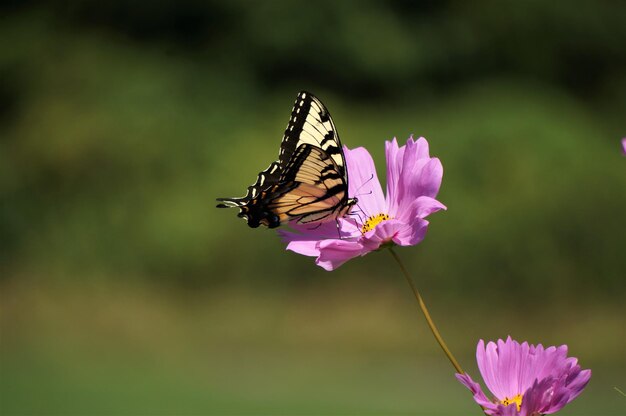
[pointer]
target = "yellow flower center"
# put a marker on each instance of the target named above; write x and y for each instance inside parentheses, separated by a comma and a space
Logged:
(517, 399)
(373, 221)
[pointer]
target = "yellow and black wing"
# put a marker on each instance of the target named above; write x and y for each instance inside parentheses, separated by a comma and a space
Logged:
(309, 181)
(313, 189)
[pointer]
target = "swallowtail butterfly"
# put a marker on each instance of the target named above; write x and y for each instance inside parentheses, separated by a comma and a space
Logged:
(309, 181)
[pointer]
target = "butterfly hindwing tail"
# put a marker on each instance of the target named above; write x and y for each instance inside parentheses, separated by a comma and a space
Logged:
(252, 207)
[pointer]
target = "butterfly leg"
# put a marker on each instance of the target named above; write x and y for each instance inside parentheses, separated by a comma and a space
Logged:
(356, 213)
(338, 228)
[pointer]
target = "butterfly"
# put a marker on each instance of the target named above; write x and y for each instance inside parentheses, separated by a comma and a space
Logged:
(309, 181)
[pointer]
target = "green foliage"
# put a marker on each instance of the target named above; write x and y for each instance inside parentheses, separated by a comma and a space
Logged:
(121, 125)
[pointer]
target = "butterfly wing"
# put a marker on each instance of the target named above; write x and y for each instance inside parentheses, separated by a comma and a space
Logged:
(252, 206)
(314, 189)
(308, 182)
(312, 124)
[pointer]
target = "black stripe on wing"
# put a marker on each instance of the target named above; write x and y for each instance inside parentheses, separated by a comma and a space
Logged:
(312, 124)
(317, 190)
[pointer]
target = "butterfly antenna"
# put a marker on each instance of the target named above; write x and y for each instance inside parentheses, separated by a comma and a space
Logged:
(366, 193)
(358, 194)
(365, 183)
(356, 213)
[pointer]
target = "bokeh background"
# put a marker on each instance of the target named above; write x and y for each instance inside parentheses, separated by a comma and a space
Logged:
(124, 291)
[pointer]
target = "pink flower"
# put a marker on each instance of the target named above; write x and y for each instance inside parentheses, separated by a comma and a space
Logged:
(526, 380)
(413, 180)
(624, 146)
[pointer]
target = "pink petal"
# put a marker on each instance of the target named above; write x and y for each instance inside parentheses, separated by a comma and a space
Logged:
(406, 165)
(334, 253)
(510, 410)
(479, 396)
(363, 181)
(537, 397)
(411, 234)
(487, 359)
(550, 361)
(420, 208)
(411, 174)
(383, 233)
(428, 181)
(349, 228)
(566, 389)
(508, 366)
(400, 233)
(304, 247)
(578, 382)
(528, 367)
(422, 147)
(394, 157)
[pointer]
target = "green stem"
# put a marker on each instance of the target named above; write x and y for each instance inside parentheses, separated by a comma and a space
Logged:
(422, 305)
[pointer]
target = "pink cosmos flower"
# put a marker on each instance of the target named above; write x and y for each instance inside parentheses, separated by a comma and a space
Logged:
(624, 146)
(526, 380)
(413, 180)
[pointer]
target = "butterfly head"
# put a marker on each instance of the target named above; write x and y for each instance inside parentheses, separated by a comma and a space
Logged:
(350, 202)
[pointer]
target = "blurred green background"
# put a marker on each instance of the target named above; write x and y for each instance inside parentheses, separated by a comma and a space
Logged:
(124, 291)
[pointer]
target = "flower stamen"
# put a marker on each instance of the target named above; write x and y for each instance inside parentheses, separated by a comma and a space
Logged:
(517, 399)
(372, 221)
